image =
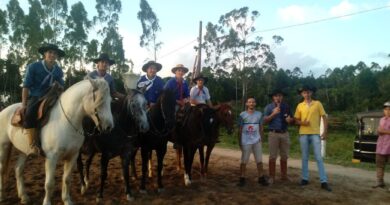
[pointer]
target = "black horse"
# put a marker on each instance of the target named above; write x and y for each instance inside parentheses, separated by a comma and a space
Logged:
(161, 118)
(130, 118)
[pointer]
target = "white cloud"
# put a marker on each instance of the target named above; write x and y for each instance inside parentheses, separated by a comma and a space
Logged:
(293, 13)
(345, 7)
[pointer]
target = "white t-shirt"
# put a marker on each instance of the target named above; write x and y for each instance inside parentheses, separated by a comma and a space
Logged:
(200, 95)
(250, 124)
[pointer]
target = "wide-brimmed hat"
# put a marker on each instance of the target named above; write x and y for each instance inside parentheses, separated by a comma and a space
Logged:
(276, 91)
(205, 79)
(387, 104)
(307, 88)
(150, 63)
(104, 57)
(179, 66)
(49, 46)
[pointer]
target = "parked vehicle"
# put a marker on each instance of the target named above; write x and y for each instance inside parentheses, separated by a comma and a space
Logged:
(367, 136)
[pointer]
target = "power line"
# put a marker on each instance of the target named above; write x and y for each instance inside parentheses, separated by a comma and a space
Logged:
(321, 20)
(173, 51)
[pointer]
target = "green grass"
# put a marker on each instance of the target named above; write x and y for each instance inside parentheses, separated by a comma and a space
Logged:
(339, 147)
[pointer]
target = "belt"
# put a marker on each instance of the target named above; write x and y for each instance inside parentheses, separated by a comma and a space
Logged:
(278, 131)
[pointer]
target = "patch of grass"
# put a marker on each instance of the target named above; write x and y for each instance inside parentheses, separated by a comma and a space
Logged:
(339, 147)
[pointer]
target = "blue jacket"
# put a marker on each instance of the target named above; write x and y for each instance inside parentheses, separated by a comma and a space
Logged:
(173, 85)
(109, 79)
(38, 78)
(152, 93)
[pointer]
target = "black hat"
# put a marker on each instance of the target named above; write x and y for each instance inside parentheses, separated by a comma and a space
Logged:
(53, 47)
(150, 63)
(277, 91)
(104, 57)
(307, 88)
(179, 66)
(205, 79)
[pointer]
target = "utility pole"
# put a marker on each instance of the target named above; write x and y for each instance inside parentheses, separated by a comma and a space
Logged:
(198, 60)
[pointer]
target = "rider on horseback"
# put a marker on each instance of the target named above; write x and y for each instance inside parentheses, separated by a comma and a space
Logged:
(103, 63)
(39, 77)
(179, 86)
(153, 82)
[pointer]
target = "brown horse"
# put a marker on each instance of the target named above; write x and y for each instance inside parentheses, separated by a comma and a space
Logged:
(196, 133)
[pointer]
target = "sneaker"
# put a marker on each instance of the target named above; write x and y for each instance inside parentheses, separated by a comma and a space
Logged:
(304, 182)
(325, 186)
(242, 182)
(263, 181)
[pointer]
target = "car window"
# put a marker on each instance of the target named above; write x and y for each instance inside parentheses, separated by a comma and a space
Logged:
(370, 125)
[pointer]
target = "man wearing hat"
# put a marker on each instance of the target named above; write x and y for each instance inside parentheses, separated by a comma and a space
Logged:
(308, 116)
(179, 85)
(383, 146)
(200, 94)
(37, 81)
(153, 82)
(278, 115)
(103, 62)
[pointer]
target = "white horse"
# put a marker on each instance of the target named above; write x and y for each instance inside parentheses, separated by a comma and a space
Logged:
(61, 137)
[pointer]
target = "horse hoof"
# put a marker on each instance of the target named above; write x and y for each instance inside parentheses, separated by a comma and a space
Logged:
(187, 180)
(160, 190)
(83, 190)
(99, 199)
(129, 198)
(142, 191)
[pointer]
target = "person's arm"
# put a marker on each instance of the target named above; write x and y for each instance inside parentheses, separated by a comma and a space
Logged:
(325, 133)
(381, 130)
(192, 94)
(240, 136)
(268, 118)
(261, 130)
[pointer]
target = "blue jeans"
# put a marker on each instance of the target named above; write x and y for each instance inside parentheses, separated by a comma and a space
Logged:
(305, 141)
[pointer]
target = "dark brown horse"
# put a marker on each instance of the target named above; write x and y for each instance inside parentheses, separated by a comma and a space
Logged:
(196, 134)
(161, 118)
(130, 119)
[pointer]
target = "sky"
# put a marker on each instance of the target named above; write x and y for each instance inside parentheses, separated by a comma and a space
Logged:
(312, 47)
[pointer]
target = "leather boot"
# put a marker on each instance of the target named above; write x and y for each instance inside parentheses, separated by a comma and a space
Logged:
(271, 168)
(31, 134)
(283, 170)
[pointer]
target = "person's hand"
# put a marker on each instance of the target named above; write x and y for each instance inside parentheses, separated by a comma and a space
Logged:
(276, 110)
(305, 123)
(289, 119)
(324, 135)
(181, 103)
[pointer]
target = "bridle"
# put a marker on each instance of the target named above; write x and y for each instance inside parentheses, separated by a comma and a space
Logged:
(71, 124)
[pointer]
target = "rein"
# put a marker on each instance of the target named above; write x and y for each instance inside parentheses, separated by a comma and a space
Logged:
(155, 131)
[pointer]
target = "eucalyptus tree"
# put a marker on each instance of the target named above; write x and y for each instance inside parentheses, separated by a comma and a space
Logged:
(33, 30)
(76, 35)
(3, 29)
(17, 35)
(55, 12)
(108, 17)
(232, 44)
(150, 27)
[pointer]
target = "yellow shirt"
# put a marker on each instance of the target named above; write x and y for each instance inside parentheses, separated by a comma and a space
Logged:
(311, 113)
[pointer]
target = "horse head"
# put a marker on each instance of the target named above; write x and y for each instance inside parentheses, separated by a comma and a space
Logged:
(97, 105)
(167, 103)
(224, 115)
(136, 105)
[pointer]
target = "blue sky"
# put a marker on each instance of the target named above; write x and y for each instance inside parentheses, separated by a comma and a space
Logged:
(315, 47)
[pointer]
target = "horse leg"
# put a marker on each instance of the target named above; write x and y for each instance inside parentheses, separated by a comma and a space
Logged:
(132, 164)
(160, 160)
(179, 151)
(88, 166)
(103, 175)
(145, 157)
(50, 167)
(67, 178)
(201, 159)
(19, 169)
(80, 168)
(150, 165)
(5, 152)
(125, 158)
(209, 149)
(187, 165)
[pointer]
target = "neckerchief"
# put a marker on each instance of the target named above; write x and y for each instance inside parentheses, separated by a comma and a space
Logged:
(50, 75)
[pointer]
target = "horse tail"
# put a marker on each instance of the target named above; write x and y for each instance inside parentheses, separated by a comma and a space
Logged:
(6, 165)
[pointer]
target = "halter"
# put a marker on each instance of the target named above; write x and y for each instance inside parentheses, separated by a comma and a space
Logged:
(67, 118)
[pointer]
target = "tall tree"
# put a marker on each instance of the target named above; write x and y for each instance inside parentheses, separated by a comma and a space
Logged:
(33, 30)
(53, 21)
(3, 29)
(150, 27)
(16, 16)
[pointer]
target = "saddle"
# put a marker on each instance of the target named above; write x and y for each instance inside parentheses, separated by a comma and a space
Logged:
(46, 102)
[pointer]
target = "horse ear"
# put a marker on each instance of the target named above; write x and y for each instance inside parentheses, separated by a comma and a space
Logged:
(93, 83)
